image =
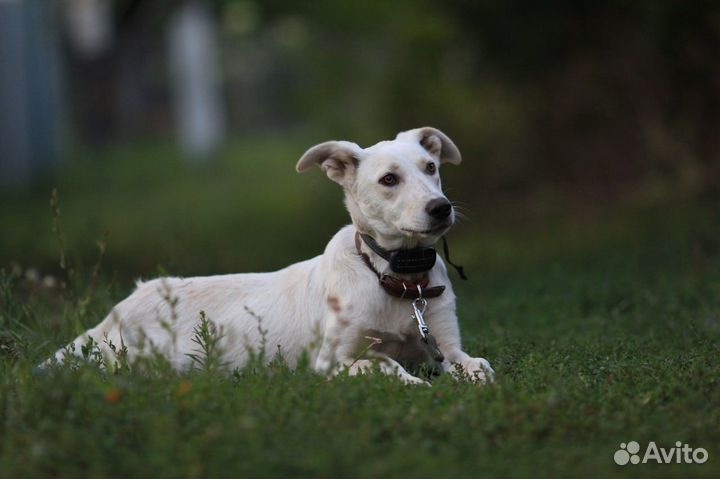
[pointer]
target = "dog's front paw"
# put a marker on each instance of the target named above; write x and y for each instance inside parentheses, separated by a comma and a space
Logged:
(410, 379)
(477, 370)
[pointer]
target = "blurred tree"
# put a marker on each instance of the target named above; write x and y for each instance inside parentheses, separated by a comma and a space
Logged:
(194, 70)
(29, 91)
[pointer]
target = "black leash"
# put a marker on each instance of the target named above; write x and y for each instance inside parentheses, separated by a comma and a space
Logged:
(458, 268)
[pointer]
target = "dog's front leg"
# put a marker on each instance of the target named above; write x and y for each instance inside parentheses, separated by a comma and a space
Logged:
(477, 369)
(444, 325)
(385, 364)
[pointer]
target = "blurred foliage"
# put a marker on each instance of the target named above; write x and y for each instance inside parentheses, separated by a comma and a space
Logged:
(559, 108)
(599, 100)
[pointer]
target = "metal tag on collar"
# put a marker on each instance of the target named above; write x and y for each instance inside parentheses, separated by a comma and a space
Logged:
(419, 306)
(410, 261)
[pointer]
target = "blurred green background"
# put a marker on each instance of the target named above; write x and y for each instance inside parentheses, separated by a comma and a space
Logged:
(149, 137)
(171, 128)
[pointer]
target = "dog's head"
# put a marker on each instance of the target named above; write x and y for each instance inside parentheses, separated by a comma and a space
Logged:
(392, 189)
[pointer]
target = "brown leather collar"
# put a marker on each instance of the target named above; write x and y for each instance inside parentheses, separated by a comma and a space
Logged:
(403, 289)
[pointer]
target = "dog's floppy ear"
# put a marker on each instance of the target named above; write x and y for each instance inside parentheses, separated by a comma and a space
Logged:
(338, 159)
(435, 142)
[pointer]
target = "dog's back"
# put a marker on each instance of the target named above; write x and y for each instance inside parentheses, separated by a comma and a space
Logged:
(278, 310)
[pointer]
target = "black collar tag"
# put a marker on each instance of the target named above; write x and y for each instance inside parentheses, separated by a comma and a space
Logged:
(411, 261)
(404, 261)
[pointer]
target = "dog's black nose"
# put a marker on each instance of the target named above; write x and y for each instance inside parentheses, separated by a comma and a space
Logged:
(439, 208)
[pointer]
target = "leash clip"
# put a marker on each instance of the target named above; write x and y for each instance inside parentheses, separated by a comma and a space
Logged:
(419, 306)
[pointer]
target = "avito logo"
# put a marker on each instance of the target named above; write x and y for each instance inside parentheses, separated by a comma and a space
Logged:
(680, 454)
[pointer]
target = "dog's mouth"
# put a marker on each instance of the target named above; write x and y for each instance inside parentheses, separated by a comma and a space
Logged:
(432, 231)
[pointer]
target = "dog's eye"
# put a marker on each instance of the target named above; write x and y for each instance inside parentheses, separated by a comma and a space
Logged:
(431, 168)
(389, 180)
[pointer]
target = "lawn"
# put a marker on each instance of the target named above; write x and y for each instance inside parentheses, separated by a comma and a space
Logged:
(602, 330)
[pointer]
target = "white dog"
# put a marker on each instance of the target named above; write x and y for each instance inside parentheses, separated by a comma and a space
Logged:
(349, 308)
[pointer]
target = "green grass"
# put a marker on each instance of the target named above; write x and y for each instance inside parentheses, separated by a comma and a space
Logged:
(602, 330)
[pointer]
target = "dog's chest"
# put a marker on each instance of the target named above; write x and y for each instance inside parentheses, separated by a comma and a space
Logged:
(395, 333)
(393, 316)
